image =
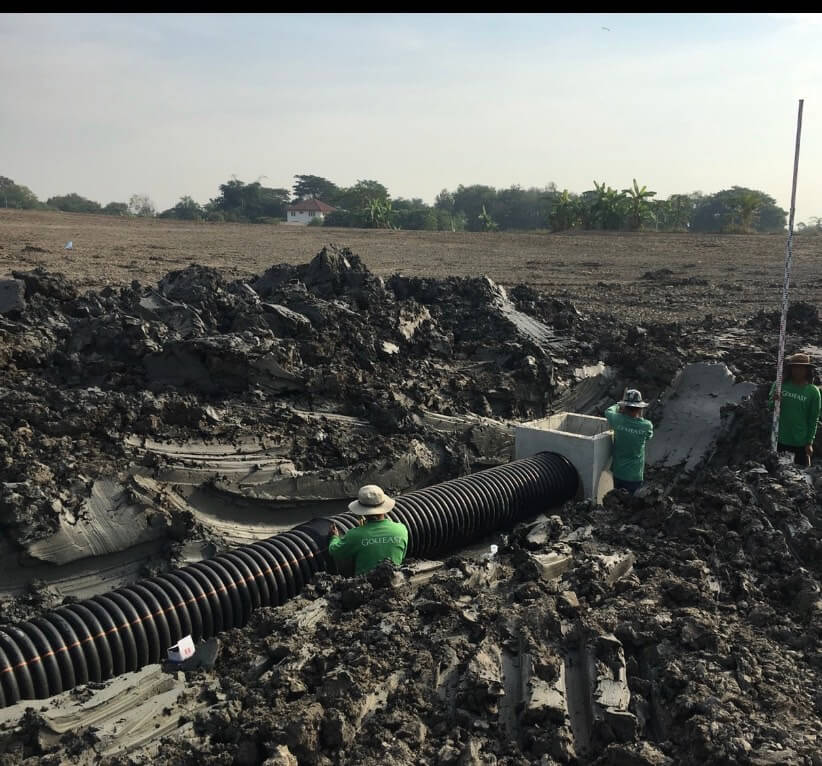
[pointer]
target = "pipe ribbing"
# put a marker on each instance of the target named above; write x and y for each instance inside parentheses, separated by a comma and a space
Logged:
(133, 626)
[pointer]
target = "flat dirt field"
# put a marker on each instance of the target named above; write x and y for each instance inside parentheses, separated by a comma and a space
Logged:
(726, 276)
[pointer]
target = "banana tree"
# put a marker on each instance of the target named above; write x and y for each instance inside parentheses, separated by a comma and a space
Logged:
(486, 222)
(609, 206)
(378, 213)
(638, 205)
(564, 211)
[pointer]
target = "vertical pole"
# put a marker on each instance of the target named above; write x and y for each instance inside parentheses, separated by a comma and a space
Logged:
(780, 362)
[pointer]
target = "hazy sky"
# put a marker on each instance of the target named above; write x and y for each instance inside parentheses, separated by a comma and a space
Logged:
(171, 105)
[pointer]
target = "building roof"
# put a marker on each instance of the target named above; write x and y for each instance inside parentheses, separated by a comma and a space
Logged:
(307, 205)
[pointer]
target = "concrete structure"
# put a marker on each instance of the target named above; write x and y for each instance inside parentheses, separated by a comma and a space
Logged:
(584, 440)
(307, 210)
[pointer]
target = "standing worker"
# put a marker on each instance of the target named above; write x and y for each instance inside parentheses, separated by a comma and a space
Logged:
(799, 409)
(374, 541)
(631, 431)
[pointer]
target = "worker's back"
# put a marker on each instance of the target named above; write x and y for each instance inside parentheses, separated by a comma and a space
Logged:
(371, 543)
(630, 435)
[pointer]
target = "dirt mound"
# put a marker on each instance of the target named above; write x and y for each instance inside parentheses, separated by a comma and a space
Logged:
(801, 316)
(653, 630)
(681, 625)
(337, 368)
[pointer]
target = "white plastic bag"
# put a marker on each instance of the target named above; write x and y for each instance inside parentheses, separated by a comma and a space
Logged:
(182, 650)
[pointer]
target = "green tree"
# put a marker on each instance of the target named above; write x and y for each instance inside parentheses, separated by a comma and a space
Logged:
(345, 219)
(239, 201)
(185, 210)
(400, 203)
(738, 209)
(518, 208)
(421, 219)
(444, 201)
(141, 205)
(771, 218)
(73, 203)
(413, 214)
(638, 205)
(359, 197)
(470, 201)
(116, 208)
(315, 187)
(17, 196)
(680, 209)
(748, 203)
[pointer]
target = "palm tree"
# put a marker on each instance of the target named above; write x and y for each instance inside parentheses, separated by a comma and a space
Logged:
(638, 204)
(748, 204)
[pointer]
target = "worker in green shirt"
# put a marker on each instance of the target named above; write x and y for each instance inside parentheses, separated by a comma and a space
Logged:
(375, 540)
(799, 409)
(631, 431)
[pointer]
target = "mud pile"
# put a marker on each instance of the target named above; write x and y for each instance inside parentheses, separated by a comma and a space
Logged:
(160, 410)
(147, 426)
(653, 630)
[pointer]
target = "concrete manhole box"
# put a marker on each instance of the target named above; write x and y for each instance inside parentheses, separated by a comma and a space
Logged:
(584, 440)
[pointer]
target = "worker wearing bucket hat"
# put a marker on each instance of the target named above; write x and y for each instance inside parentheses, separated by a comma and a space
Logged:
(377, 539)
(799, 409)
(631, 431)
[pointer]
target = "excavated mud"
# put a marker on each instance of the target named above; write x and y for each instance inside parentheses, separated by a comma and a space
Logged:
(149, 426)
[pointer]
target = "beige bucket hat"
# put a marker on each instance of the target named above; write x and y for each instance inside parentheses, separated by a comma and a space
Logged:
(371, 501)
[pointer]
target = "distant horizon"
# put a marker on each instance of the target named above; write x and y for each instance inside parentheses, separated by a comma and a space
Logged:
(113, 105)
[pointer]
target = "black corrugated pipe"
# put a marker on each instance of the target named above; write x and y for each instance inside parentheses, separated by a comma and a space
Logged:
(126, 629)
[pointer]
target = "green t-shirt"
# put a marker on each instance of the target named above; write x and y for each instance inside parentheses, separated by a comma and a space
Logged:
(630, 435)
(798, 414)
(370, 544)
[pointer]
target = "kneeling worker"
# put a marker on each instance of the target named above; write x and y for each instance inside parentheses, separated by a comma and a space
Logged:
(376, 540)
(631, 431)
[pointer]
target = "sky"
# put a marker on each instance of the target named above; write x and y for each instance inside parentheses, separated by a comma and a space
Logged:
(172, 105)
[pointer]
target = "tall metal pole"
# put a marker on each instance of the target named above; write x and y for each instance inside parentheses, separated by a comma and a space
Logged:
(780, 362)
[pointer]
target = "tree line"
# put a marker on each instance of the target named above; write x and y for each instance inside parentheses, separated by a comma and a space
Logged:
(368, 204)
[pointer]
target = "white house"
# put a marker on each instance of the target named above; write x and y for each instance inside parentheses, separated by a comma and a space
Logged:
(307, 210)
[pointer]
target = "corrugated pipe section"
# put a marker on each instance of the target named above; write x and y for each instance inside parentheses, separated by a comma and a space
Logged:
(126, 629)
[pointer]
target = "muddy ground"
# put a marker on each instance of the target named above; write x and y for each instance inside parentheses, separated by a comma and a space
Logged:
(154, 423)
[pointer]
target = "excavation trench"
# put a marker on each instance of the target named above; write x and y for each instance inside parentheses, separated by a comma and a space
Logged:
(131, 627)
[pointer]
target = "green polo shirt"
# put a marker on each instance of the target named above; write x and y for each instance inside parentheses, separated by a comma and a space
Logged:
(630, 435)
(798, 413)
(370, 544)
